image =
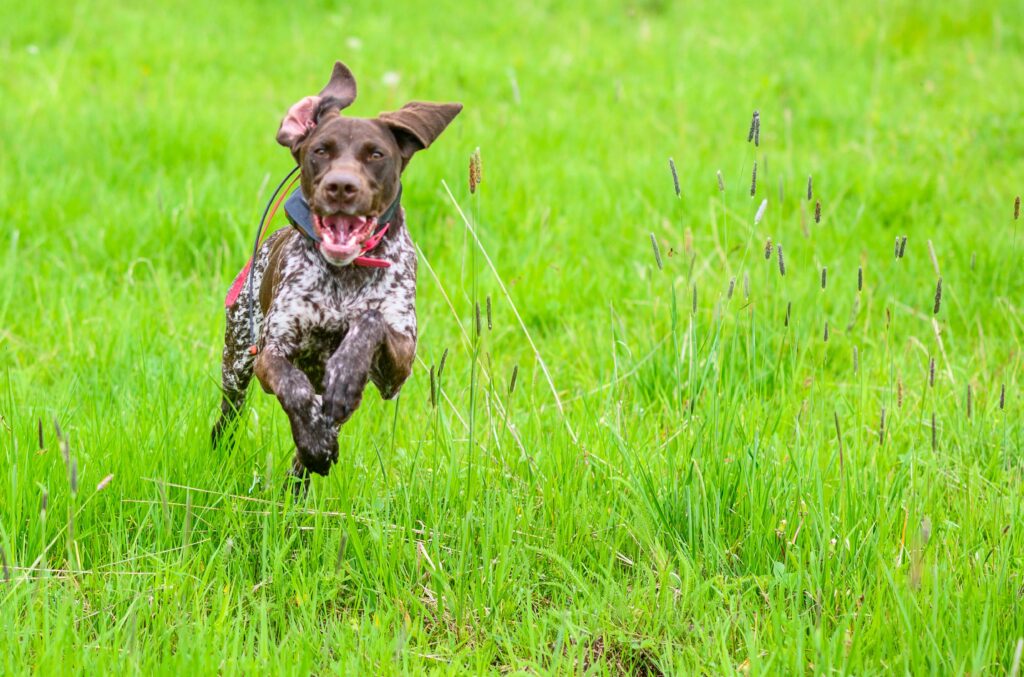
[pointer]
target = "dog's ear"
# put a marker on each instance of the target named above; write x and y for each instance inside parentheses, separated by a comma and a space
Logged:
(298, 122)
(416, 125)
(303, 116)
(340, 92)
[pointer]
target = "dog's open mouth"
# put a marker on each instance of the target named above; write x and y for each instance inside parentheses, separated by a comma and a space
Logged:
(342, 237)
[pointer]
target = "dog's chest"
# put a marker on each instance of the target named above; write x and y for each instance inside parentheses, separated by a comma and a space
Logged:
(314, 306)
(321, 307)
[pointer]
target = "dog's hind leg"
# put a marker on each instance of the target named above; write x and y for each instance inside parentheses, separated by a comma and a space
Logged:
(236, 367)
(239, 327)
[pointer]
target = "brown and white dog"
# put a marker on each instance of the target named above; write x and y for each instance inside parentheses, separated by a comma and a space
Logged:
(323, 325)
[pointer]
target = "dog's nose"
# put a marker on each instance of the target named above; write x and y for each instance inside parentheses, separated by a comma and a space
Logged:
(341, 185)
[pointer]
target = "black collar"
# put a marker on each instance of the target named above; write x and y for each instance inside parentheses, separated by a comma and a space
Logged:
(299, 215)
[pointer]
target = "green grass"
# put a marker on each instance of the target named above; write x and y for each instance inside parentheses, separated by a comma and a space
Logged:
(692, 510)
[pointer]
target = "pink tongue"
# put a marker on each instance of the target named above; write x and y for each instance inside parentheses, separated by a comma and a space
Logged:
(349, 229)
(343, 225)
(340, 251)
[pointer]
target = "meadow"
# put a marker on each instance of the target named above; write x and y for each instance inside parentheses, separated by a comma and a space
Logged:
(674, 427)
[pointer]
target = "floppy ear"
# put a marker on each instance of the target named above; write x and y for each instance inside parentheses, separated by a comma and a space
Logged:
(303, 116)
(340, 92)
(418, 124)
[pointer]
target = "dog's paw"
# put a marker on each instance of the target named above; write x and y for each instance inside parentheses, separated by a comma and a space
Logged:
(316, 442)
(342, 396)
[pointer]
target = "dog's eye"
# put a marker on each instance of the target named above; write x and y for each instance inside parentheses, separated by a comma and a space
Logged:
(376, 154)
(320, 150)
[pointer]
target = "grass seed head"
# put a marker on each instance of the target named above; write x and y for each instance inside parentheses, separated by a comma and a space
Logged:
(721, 181)
(968, 400)
(903, 246)
(104, 482)
(817, 212)
(42, 442)
(433, 388)
(931, 372)
(512, 381)
(65, 448)
(694, 308)
(899, 393)
(753, 180)
(475, 170)
(490, 326)
(782, 261)
(657, 252)
(760, 211)
(860, 278)
(1002, 392)
(757, 131)
(768, 249)
(675, 177)
(938, 297)
(753, 126)
(789, 309)
(732, 287)
(824, 276)
(826, 331)
(440, 367)
(478, 323)
(881, 428)
(810, 190)
(1016, 208)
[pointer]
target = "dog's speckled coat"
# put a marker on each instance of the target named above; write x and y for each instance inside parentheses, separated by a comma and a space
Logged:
(326, 328)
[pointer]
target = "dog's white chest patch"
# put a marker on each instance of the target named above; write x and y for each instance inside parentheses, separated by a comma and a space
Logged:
(314, 302)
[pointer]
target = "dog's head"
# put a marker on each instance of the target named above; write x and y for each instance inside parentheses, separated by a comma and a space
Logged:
(351, 166)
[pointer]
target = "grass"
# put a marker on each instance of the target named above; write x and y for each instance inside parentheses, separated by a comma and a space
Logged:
(681, 481)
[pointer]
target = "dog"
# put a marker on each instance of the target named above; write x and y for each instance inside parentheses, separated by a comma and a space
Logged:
(326, 317)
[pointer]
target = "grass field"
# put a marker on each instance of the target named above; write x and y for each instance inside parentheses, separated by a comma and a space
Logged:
(683, 479)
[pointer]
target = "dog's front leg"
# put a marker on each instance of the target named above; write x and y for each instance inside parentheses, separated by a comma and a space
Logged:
(369, 349)
(315, 438)
(393, 363)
